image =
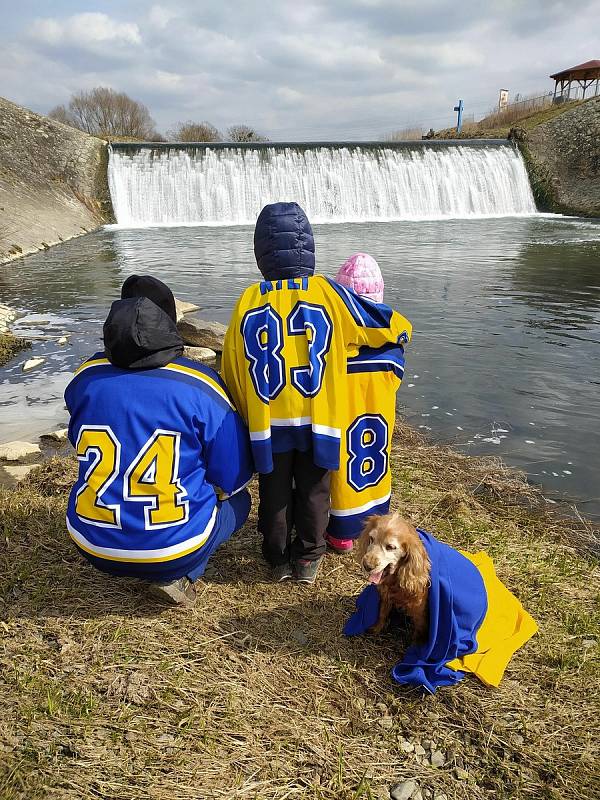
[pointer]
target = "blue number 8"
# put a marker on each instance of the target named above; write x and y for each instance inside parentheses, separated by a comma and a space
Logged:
(367, 441)
(306, 317)
(262, 332)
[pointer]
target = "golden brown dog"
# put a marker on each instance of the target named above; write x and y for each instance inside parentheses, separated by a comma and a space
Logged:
(392, 553)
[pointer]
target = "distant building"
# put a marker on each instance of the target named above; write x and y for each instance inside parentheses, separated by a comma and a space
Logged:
(570, 80)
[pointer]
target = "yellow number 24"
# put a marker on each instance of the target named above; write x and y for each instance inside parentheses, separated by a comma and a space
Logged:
(152, 478)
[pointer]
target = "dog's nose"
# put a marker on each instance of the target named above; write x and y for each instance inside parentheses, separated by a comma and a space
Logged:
(367, 566)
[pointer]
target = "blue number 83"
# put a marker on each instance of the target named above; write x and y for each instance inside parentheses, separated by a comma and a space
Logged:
(367, 441)
(262, 332)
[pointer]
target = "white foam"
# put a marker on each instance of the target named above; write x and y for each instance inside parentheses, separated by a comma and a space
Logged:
(229, 186)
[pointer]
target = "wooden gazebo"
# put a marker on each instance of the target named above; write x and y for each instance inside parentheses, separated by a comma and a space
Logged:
(584, 75)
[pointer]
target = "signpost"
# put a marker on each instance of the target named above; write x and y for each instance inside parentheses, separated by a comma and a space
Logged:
(459, 110)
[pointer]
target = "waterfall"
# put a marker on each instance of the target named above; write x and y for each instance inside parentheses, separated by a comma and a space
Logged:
(228, 185)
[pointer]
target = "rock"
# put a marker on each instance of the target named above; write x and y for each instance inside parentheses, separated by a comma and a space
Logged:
(461, 774)
(200, 333)
(386, 723)
(32, 363)
(437, 759)
(18, 451)
(403, 790)
(183, 307)
(7, 315)
(199, 353)
(57, 436)
(518, 740)
(406, 746)
(419, 751)
(20, 472)
(417, 795)
(300, 636)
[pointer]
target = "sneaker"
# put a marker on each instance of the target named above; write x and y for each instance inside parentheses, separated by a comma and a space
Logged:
(339, 545)
(306, 571)
(282, 572)
(177, 593)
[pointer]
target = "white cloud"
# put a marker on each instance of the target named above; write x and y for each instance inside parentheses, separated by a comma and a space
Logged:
(160, 16)
(318, 69)
(85, 30)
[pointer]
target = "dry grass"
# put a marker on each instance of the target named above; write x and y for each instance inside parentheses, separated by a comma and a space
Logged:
(498, 126)
(11, 345)
(255, 693)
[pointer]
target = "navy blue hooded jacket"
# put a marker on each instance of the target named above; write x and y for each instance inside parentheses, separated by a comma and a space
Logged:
(283, 242)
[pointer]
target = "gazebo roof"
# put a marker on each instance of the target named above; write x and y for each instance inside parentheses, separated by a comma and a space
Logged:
(591, 69)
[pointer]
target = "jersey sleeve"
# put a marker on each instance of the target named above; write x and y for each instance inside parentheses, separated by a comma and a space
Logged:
(231, 366)
(229, 464)
(370, 324)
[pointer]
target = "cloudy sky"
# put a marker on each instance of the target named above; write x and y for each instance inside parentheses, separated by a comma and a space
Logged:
(296, 70)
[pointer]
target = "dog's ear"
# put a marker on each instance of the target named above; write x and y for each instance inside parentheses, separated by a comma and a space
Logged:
(415, 567)
(363, 540)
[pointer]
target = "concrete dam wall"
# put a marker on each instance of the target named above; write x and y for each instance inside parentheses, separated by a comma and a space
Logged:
(563, 160)
(53, 183)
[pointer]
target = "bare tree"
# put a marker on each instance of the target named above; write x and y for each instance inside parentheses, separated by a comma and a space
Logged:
(104, 112)
(244, 133)
(194, 132)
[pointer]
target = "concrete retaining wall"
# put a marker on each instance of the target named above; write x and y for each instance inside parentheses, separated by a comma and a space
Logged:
(563, 160)
(53, 183)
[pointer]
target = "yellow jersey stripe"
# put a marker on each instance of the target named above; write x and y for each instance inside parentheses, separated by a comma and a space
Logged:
(144, 556)
(96, 362)
(206, 379)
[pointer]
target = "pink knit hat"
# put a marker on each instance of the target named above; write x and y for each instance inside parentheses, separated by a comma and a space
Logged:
(361, 272)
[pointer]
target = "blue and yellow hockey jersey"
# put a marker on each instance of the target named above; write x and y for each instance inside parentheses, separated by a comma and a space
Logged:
(285, 357)
(152, 445)
(362, 486)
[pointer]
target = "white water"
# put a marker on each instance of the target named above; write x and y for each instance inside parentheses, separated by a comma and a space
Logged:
(333, 184)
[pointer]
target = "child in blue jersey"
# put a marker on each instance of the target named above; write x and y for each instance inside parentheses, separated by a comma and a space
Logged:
(159, 442)
(285, 364)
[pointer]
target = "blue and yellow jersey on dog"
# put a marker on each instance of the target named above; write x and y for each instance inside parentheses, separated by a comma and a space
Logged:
(152, 446)
(285, 358)
(363, 483)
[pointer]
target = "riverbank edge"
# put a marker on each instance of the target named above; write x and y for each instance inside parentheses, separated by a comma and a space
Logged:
(54, 461)
(525, 739)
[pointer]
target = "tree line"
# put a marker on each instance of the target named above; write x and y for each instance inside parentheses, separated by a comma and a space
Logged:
(114, 115)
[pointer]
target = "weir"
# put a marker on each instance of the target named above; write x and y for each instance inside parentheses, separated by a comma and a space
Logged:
(227, 184)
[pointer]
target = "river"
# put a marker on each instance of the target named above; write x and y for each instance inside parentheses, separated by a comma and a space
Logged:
(505, 357)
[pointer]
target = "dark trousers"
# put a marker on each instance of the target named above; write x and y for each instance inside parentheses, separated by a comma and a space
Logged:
(294, 495)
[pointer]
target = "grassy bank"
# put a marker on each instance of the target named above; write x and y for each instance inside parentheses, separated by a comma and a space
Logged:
(255, 694)
(498, 128)
(11, 345)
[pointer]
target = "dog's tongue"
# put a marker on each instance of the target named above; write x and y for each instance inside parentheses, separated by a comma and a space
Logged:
(375, 577)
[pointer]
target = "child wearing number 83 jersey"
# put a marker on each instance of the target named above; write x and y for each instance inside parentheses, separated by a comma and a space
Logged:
(284, 362)
(362, 485)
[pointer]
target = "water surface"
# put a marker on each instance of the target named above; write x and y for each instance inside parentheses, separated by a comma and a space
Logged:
(505, 357)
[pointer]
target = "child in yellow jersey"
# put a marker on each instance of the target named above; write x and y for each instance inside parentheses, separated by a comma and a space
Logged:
(362, 485)
(285, 364)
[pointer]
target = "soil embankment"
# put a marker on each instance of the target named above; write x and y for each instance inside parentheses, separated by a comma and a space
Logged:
(563, 160)
(53, 183)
